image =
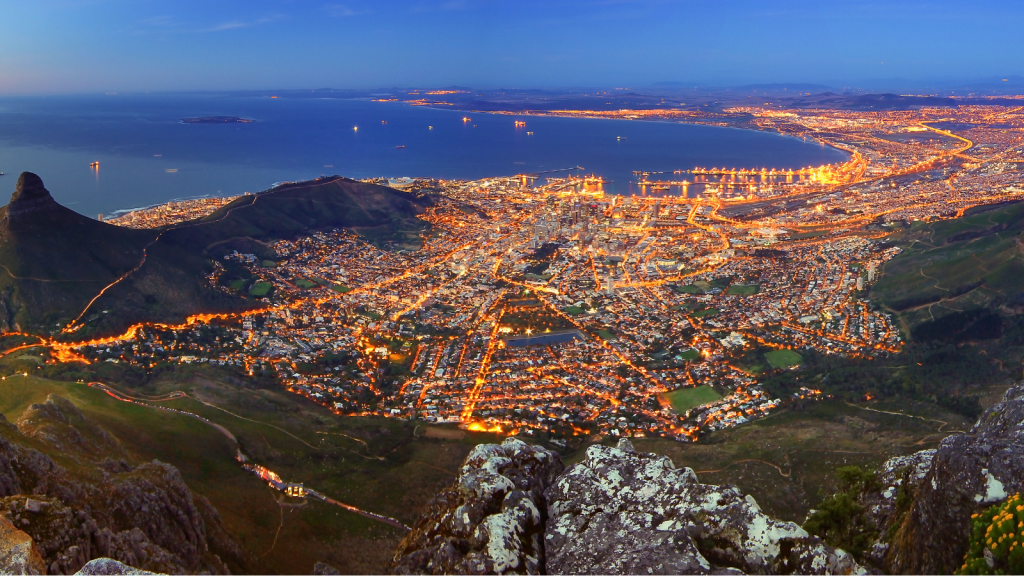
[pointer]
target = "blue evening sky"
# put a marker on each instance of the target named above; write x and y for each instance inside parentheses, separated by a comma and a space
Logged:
(56, 46)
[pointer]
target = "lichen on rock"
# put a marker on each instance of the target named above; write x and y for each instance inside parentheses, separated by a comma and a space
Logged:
(514, 510)
(968, 473)
(490, 520)
(623, 512)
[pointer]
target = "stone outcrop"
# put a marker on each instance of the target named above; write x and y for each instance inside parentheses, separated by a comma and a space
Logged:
(968, 472)
(514, 511)
(100, 506)
(60, 424)
(623, 512)
(29, 196)
(900, 479)
(18, 553)
(110, 567)
(490, 521)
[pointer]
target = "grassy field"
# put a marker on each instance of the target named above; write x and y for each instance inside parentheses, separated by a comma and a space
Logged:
(743, 289)
(690, 354)
(268, 264)
(573, 310)
(706, 312)
(783, 358)
(688, 289)
(375, 464)
(606, 334)
(304, 284)
(686, 398)
(260, 289)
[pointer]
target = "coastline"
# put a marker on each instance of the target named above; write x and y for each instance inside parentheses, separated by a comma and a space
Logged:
(596, 116)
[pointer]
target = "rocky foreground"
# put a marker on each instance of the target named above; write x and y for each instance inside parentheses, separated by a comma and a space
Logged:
(515, 509)
(55, 517)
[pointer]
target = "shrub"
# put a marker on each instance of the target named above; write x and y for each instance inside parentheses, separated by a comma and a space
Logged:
(996, 544)
(839, 519)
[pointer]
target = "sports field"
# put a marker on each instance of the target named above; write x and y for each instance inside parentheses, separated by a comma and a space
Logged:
(686, 398)
(783, 358)
(743, 289)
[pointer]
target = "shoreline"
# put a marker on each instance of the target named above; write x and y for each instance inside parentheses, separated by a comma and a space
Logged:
(540, 114)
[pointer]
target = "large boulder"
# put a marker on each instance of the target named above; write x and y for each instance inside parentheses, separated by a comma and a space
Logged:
(623, 512)
(110, 567)
(490, 521)
(969, 472)
(18, 553)
(513, 510)
(899, 479)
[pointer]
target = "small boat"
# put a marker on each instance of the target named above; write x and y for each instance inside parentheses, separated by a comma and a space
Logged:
(1, 173)
(402, 146)
(94, 165)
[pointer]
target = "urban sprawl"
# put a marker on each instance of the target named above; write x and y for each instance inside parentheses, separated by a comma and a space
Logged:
(548, 307)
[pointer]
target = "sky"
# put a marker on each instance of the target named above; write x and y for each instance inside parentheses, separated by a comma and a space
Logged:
(90, 46)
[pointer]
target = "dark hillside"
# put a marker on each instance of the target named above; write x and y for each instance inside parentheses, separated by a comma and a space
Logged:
(297, 208)
(955, 266)
(54, 261)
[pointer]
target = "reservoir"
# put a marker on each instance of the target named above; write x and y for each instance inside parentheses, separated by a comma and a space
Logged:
(147, 155)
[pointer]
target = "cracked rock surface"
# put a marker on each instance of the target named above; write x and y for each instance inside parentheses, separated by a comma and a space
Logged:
(491, 521)
(515, 510)
(969, 472)
(623, 512)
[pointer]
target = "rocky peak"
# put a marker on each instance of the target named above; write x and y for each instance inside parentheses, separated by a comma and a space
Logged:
(513, 510)
(968, 472)
(491, 521)
(59, 423)
(29, 196)
(143, 516)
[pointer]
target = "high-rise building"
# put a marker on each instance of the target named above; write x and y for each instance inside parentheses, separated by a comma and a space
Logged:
(860, 282)
(609, 284)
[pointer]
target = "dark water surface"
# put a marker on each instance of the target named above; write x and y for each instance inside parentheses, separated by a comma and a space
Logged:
(148, 156)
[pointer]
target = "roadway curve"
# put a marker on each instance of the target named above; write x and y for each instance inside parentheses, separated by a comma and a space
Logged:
(177, 395)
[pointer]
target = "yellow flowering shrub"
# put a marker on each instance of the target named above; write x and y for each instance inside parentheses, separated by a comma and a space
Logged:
(997, 540)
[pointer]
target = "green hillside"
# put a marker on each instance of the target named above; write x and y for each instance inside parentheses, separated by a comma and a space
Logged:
(954, 266)
(54, 262)
(375, 211)
(382, 465)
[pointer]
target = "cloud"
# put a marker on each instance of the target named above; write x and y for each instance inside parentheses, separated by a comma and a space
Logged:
(343, 11)
(236, 24)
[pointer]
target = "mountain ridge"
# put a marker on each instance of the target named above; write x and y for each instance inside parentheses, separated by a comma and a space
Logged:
(58, 267)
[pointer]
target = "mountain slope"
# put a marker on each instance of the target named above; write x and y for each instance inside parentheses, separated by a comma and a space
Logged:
(68, 484)
(57, 266)
(955, 266)
(53, 260)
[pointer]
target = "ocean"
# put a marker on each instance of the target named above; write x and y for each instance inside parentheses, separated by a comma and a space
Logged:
(148, 156)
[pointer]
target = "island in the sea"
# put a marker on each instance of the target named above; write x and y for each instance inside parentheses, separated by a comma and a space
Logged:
(216, 120)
